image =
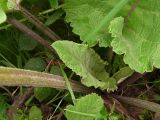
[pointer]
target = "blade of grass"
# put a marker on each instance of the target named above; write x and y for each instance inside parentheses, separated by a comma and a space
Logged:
(54, 98)
(51, 10)
(59, 103)
(7, 63)
(68, 85)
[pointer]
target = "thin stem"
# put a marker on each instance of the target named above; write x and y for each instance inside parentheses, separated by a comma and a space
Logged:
(39, 24)
(9, 25)
(109, 103)
(19, 77)
(18, 103)
(30, 33)
(51, 10)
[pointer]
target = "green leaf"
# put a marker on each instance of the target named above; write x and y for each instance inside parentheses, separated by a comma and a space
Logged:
(20, 115)
(86, 63)
(56, 70)
(53, 3)
(26, 43)
(84, 16)
(3, 107)
(89, 107)
(35, 113)
(36, 64)
(8, 46)
(115, 64)
(3, 16)
(3, 5)
(43, 94)
(55, 16)
(90, 19)
(7, 5)
(123, 73)
(115, 117)
(138, 38)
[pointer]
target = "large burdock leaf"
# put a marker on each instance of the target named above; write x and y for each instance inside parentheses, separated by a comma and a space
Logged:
(90, 107)
(138, 38)
(86, 63)
(85, 15)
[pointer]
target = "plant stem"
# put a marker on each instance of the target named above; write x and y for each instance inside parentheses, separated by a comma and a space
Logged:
(18, 103)
(51, 10)
(130, 80)
(19, 77)
(39, 24)
(9, 25)
(154, 107)
(29, 32)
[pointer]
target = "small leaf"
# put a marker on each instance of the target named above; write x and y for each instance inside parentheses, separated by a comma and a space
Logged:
(89, 107)
(20, 115)
(36, 64)
(43, 94)
(55, 16)
(123, 73)
(3, 16)
(35, 113)
(3, 107)
(53, 3)
(86, 63)
(56, 70)
(26, 43)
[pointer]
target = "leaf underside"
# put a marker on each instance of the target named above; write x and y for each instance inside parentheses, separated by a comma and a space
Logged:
(86, 63)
